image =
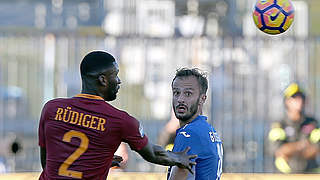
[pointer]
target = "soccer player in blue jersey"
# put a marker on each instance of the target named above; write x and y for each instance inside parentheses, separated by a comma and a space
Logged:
(189, 88)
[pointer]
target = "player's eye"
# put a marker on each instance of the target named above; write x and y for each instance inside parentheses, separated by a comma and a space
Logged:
(175, 93)
(188, 93)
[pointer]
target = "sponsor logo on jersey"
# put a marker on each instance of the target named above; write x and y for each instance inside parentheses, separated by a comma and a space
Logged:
(185, 134)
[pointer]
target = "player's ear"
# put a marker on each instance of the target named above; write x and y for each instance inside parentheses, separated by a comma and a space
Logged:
(203, 98)
(102, 80)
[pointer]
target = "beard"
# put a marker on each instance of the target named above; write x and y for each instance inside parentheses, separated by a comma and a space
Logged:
(111, 97)
(111, 93)
(189, 114)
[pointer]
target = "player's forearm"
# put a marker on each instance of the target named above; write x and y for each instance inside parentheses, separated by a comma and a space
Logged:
(163, 157)
(156, 154)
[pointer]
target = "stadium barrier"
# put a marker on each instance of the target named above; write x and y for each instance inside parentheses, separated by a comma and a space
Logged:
(162, 176)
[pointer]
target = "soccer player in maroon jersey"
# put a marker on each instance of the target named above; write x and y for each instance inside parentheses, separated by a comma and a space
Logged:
(78, 136)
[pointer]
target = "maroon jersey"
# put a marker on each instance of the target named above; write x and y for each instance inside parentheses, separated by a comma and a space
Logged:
(81, 134)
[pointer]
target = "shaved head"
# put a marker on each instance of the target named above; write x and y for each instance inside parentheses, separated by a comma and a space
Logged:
(96, 62)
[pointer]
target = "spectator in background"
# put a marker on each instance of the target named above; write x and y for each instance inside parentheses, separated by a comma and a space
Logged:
(295, 139)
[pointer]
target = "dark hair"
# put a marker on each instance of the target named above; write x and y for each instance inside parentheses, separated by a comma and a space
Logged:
(299, 94)
(197, 73)
(95, 62)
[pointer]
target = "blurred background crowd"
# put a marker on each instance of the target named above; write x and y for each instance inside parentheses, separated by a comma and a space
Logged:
(43, 41)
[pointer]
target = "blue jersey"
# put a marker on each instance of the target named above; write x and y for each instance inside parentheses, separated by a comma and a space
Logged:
(204, 142)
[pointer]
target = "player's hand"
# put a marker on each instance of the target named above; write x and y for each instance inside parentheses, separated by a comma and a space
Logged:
(184, 160)
(116, 161)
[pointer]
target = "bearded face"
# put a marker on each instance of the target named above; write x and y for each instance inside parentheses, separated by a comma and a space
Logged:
(186, 98)
(113, 83)
(184, 112)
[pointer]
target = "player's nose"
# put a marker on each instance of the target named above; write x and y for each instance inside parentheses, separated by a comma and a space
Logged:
(180, 100)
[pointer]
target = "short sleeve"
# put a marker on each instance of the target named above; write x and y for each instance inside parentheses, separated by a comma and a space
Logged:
(133, 134)
(41, 130)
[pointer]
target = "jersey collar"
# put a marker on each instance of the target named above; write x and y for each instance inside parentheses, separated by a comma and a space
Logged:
(89, 96)
(198, 118)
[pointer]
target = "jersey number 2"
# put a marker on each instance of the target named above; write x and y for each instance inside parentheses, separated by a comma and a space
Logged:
(63, 169)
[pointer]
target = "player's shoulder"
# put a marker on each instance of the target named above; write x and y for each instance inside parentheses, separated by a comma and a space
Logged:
(190, 130)
(118, 113)
(56, 101)
(188, 127)
(199, 125)
(186, 135)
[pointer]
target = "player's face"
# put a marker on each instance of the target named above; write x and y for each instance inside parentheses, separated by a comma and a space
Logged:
(186, 96)
(113, 83)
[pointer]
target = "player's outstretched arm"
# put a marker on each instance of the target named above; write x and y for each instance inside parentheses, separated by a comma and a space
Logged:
(156, 154)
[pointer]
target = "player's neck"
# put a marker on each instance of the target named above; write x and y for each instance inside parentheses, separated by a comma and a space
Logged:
(90, 90)
(183, 123)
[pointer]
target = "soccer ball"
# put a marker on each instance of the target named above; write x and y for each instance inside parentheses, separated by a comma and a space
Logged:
(273, 16)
